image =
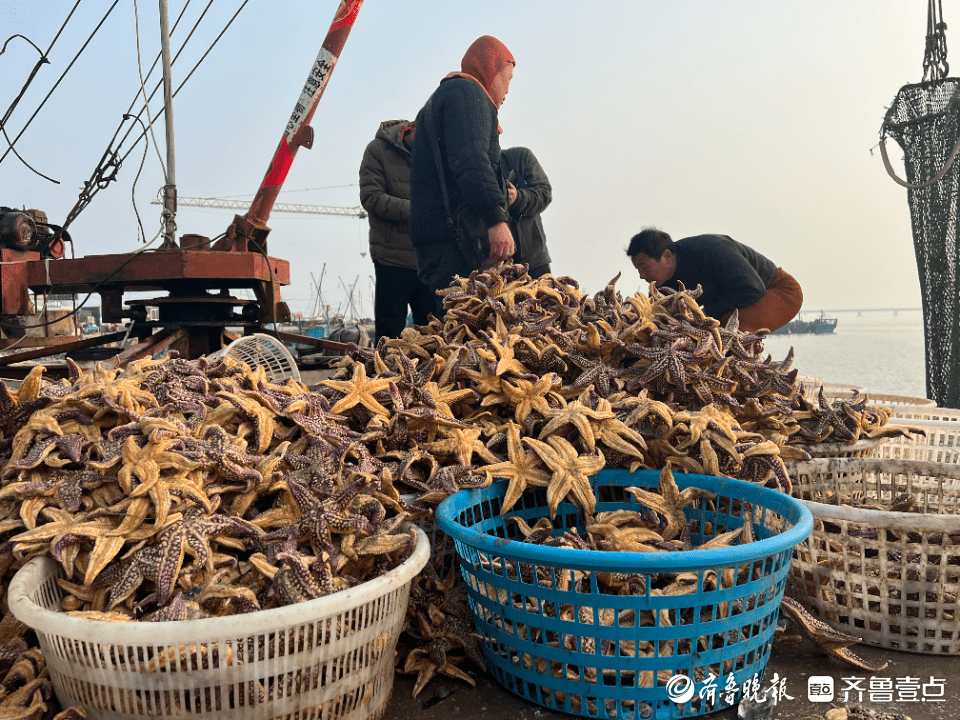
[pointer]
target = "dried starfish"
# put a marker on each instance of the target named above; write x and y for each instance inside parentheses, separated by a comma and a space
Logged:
(521, 468)
(527, 396)
(670, 502)
(358, 391)
(571, 472)
(577, 415)
(831, 641)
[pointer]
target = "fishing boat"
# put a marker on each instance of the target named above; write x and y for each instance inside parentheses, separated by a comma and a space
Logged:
(818, 326)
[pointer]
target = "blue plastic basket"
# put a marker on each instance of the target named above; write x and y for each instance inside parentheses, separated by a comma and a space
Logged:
(579, 650)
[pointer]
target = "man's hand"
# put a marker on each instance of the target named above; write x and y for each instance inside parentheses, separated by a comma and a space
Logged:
(501, 242)
(511, 193)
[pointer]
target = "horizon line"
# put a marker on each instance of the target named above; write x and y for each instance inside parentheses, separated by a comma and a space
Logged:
(886, 309)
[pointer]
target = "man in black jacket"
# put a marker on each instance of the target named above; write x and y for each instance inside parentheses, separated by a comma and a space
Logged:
(385, 195)
(465, 128)
(528, 195)
(733, 276)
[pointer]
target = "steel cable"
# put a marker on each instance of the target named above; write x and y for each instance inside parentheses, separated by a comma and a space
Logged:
(112, 159)
(189, 74)
(43, 60)
(60, 79)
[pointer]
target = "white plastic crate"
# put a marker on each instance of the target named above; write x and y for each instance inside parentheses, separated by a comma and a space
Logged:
(262, 350)
(326, 659)
(890, 578)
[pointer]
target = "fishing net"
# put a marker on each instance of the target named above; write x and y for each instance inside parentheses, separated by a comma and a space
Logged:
(925, 120)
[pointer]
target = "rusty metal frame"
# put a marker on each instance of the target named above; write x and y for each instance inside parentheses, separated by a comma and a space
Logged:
(90, 342)
(153, 345)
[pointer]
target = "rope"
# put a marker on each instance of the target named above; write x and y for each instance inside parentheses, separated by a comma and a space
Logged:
(143, 89)
(936, 178)
(935, 69)
(42, 61)
(33, 73)
(159, 84)
(935, 66)
(20, 158)
(189, 74)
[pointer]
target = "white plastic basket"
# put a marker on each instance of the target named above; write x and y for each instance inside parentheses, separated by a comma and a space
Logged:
(842, 389)
(881, 399)
(263, 350)
(890, 578)
(939, 443)
(921, 412)
(865, 447)
(326, 659)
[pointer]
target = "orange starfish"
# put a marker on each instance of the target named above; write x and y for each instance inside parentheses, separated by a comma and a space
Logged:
(522, 469)
(359, 391)
(571, 472)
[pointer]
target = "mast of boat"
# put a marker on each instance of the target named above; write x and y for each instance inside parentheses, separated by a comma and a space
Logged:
(318, 304)
(170, 186)
(350, 304)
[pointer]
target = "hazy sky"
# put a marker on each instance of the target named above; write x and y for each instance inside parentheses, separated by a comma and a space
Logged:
(755, 119)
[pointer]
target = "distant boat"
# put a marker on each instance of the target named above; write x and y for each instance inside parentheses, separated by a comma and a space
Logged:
(818, 326)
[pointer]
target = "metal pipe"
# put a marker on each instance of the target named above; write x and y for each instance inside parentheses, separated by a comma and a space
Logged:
(170, 187)
(298, 131)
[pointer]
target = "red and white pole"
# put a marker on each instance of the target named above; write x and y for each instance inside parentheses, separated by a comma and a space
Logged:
(298, 131)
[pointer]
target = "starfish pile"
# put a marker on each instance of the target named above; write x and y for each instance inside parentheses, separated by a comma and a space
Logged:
(842, 420)
(177, 489)
(26, 691)
(181, 489)
(535, 381)
(438, 629)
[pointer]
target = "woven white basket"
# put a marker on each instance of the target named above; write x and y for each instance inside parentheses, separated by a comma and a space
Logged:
(939, 443)
(330, 659)
(265, 351)
(881, 399)
(843, 389)
(921, 412)
(890, 578)
(866, 447)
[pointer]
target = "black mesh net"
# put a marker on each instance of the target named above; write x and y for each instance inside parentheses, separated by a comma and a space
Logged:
(925, 120)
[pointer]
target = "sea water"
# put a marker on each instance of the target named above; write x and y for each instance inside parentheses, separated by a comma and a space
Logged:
(880, 350)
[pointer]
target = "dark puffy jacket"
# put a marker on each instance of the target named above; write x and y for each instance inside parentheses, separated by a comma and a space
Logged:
(385, 195)
(466, 128)
(732, 275)
(533, 195)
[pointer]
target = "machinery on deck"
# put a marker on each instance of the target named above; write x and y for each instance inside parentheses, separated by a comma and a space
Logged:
(195, 280)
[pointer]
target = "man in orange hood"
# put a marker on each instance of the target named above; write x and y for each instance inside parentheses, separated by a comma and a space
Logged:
(455, 176)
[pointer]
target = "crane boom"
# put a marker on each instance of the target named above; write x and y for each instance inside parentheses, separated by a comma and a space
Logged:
(355, 211)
